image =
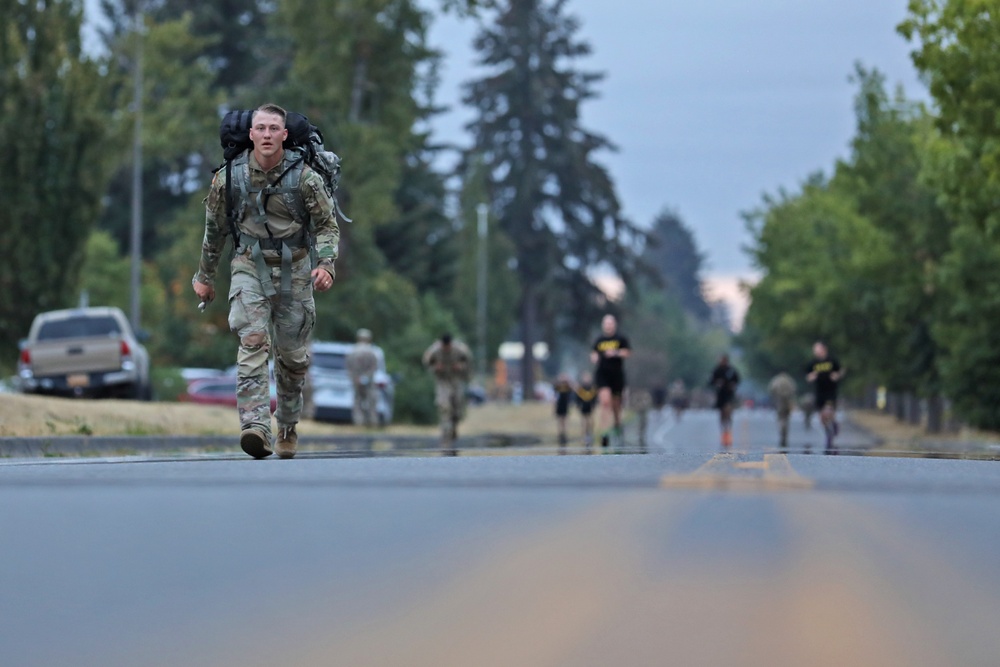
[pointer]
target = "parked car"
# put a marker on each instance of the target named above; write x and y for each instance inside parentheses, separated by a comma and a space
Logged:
(220, 390)
(191, 374)
(332, 392)
(89, 352)
(475, 394)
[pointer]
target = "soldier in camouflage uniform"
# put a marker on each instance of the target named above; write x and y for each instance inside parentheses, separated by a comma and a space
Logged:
(361, 366)
(782, 390)
(288, 238)
(451, 363)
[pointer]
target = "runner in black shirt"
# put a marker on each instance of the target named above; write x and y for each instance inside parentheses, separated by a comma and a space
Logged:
(825, 373)
(609, 354)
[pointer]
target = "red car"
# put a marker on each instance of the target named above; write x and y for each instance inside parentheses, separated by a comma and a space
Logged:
(219, 390)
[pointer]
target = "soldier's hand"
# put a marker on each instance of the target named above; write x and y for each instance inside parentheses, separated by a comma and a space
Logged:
(322, 280)
(205, 292)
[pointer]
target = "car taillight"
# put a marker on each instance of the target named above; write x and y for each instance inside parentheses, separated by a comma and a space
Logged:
(26, 357)
(126, 352)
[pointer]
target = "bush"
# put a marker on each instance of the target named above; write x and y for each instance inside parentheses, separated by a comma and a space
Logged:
(415, 398)
(168, 384)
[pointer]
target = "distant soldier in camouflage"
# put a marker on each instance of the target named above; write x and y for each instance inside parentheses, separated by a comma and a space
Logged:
(450, 361)
(783, 392)
(362, 363)
(288, 239)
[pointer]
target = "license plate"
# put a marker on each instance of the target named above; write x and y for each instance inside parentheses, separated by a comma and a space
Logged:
(78, 380)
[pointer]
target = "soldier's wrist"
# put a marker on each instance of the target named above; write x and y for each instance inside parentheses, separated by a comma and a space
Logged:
(199, 277)
(327, 265)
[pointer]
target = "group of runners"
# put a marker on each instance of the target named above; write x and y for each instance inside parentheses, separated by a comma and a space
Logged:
(603, 389)
(606, 387)
(824, 372)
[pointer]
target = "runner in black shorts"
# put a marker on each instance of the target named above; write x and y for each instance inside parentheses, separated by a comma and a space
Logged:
(609, 354)
(724, 380)
(825, 372)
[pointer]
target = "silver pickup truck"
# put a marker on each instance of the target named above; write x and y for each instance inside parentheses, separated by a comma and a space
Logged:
(89, 352)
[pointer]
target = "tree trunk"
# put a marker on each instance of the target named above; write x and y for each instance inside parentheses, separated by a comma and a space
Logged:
(359, 83)
(529, 326)
(912, 409)
(935, 414)
(896, 406)
(870, 401)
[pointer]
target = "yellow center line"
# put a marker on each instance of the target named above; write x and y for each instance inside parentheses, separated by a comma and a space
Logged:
(724, 472)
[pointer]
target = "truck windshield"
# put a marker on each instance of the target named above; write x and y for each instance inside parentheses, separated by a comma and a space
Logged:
(79, 327)
(329, 361)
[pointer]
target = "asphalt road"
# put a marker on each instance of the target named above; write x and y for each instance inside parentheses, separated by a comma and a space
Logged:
(686, 555)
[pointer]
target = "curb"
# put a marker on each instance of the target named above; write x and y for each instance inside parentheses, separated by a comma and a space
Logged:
(102, 446)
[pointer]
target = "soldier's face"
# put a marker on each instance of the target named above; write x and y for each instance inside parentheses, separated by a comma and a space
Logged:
(267, 132)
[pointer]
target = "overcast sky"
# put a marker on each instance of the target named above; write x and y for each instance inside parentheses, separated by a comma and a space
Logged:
(714, 103)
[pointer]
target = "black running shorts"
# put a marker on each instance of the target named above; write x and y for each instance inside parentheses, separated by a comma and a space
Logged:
(615, 381)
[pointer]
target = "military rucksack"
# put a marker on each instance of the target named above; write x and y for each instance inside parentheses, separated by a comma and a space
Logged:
(303, 136)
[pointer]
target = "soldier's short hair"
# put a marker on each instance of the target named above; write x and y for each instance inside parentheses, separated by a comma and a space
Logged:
(271, 108)
(364, 334)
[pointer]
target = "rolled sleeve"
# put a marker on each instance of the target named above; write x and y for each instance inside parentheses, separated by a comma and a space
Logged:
(322, 214)
(214, 240)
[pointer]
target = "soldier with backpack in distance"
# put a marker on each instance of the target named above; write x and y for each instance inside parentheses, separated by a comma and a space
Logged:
(279, 210)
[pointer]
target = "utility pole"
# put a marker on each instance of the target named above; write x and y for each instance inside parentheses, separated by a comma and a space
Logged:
(136, 274)
(481, 290)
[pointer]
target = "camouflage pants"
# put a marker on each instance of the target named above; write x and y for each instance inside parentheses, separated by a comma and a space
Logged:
(364, 413)
(449, 396)
(263, 323)
(784, 412)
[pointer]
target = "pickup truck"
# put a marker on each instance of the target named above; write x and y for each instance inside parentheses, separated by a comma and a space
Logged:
(90, 352)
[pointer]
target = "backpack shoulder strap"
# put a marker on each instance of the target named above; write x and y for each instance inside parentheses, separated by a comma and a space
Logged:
(293, 198)
(236, 202)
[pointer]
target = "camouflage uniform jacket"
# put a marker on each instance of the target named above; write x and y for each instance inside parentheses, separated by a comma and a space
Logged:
(362, 363)
(782, 390)
(449, 365)
(318, 205)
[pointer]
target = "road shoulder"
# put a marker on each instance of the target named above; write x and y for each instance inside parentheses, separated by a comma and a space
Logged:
(898, 438)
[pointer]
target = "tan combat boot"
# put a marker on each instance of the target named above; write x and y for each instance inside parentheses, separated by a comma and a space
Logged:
(255, 442)
(288, 439)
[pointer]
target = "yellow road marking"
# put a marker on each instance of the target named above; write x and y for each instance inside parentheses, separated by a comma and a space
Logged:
(723, 471)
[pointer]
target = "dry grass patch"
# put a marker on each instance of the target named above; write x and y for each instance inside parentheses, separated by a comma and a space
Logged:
(900, 436)
(32, 416)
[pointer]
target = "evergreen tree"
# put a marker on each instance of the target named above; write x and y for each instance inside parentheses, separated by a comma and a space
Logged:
(54, 130)
(420, 244)
(672, 255)
(552, 198)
